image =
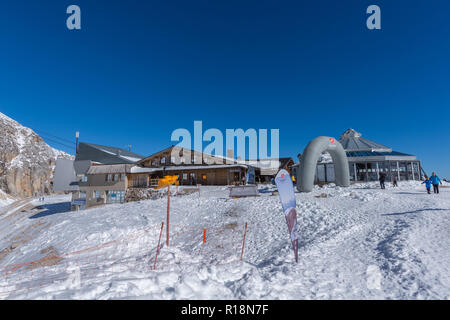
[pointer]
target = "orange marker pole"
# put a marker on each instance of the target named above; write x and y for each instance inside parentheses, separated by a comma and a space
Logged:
(159, 243)
(243, 241)
(204, 235)
(168, 215)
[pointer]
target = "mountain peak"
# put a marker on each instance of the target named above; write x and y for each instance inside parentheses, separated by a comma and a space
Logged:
(26, 161)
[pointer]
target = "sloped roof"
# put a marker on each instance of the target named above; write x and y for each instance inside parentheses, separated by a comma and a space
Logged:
(106, 154)
(178, 148)
(113, 168)
(352, 141)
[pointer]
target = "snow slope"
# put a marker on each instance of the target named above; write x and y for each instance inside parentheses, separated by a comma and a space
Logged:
(354, 243)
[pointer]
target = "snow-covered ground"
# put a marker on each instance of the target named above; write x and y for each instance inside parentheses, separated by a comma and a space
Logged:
(355, 243)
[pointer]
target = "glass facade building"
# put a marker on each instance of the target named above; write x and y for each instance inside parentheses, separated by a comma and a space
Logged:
(367, 159)
(368, 167)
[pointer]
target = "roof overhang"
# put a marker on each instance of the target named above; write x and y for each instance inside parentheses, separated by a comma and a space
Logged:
(381, 158)
(205, 167)
(370, 150)
(110, 168)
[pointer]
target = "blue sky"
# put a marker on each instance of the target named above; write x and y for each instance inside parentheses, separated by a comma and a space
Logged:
(140, 69)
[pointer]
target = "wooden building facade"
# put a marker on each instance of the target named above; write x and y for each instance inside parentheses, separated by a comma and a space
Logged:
(192, 167)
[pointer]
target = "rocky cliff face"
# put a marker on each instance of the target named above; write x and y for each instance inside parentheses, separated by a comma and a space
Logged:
(26, 161)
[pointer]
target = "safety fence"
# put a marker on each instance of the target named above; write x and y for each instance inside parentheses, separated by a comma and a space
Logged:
(138, 253)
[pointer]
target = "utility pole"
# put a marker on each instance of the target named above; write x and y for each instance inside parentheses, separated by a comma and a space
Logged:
(77, 135)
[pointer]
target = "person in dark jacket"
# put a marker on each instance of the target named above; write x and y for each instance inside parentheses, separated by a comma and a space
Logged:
(382, 179)
(435, 181)
(427, 184)
(394, 181)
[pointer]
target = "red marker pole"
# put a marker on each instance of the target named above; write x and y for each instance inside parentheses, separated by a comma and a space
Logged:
(204, 235)
(243, 241)
(168, 215)
(159, 243)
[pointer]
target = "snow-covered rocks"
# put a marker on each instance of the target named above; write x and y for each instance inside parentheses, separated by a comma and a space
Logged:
(5, 199)
(26, 161)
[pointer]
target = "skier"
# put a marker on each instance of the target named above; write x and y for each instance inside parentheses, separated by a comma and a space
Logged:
(435, 181)
(382, 179)
(427, 184)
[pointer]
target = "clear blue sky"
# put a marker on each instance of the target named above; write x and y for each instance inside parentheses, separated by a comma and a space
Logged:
(140, 69)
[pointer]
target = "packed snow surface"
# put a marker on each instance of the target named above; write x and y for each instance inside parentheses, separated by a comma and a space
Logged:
(359, 242)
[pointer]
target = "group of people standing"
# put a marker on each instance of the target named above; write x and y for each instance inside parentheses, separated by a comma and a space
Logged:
(434, 181)
(382, 180)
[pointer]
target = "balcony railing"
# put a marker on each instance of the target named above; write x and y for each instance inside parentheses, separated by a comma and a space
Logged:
(144, 184)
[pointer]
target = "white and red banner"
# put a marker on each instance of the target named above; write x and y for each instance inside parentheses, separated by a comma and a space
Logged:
(286, 191)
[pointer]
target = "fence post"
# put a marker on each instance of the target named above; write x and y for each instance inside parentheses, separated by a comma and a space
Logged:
(168, 215)
(159, 242)
(204, 235)
(243, 241)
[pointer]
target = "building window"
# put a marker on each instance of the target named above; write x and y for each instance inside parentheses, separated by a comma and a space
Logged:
(361, 171)
(139, 181)
(184, 176)
(109, 177)
(116, 177)
(115, 196)
(123, 176)
(96, 194)
(84, 178)
(163, 160)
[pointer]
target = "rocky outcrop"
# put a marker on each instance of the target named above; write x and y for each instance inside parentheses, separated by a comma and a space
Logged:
(138, 194)
(26, 161)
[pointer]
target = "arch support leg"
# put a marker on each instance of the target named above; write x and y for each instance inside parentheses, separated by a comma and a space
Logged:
(310, 156)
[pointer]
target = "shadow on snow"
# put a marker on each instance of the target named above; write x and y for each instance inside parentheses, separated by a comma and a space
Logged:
(415, 211)
(51, 209)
